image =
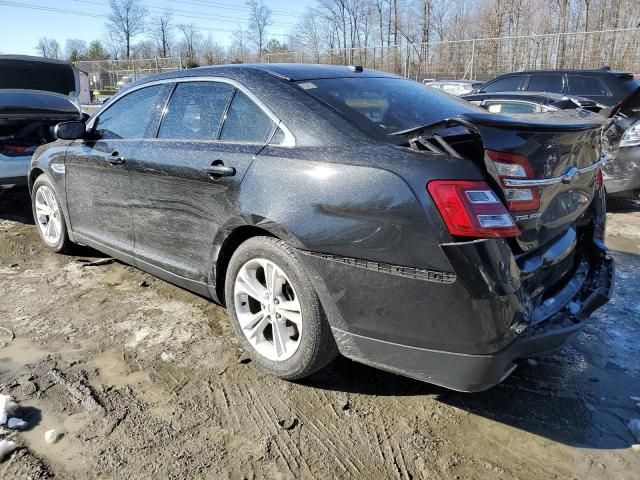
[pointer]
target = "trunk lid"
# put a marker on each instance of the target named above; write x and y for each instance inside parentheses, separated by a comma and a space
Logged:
(35, 73)
(559, 153)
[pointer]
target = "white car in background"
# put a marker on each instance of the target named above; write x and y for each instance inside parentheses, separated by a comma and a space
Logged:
(453, 87)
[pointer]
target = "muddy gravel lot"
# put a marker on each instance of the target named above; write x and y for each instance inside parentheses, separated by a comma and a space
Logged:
(146, 381)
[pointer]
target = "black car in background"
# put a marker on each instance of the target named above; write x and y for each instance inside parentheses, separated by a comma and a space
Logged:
(35, 94)
(603, 86)
(340, 209)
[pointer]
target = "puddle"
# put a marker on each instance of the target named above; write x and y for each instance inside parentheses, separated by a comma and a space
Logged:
(113, 370)
(19, 353)
(65, 452)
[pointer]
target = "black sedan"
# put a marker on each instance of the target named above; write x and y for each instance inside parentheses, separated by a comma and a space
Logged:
(335, 209)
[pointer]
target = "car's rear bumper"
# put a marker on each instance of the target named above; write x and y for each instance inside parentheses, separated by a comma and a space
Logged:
(474, 372)
(13, 170)
(466, 328)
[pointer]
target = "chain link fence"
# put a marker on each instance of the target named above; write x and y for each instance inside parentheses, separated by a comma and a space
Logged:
(107, 76)
(484, 58)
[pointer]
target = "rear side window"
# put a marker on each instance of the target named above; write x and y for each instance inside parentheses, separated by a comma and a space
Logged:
(246, 121)
(128, 117)
(583, 85)
(507, 84)
(195, 111)
(545, 83)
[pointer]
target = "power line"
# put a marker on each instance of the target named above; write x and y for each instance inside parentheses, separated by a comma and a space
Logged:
(188, 13)
(209, 4)
(103, 16)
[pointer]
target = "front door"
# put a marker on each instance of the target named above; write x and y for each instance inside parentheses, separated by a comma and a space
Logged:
(185, 183)
(98, 184)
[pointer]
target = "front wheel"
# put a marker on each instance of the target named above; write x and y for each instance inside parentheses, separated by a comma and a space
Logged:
(48, 215)
(275, 311)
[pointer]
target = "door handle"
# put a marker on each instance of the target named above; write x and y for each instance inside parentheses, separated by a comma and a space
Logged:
(218, 169)
(116, 159)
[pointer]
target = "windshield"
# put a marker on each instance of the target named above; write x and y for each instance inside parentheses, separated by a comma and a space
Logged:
(390, 104)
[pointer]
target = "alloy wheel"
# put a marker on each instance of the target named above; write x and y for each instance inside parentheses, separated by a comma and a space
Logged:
(48, 215)
(268, 309)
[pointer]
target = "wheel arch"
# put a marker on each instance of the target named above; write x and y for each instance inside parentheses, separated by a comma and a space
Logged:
(33, 175)
(230, 238)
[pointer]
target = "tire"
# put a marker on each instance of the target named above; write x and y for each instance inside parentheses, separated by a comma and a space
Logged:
(43, 190)
(311, 339)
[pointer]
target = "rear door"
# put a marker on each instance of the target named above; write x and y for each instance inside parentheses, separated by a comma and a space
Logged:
(546, 82)
(98, 185)
(510, 83)
(185, 182)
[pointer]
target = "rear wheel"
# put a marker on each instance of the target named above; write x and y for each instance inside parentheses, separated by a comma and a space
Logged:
(48, 216)
(275, 311)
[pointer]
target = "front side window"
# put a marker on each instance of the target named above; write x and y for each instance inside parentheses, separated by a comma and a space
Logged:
(128, 116)
(195, 111)
(506, 84)
(545, 83)
(246, 121)
(583, 85)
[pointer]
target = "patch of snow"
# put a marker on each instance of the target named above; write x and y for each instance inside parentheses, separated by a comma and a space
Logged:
(6, 447)
(5, 402)
(52, 436)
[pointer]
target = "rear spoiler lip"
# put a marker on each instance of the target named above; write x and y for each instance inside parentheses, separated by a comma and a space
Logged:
(545, 123)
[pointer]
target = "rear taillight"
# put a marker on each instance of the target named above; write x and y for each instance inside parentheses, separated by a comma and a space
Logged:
(512, 166)
(472, 209)
(12, 150)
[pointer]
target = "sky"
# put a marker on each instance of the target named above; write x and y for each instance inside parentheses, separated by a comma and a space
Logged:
(21, 25)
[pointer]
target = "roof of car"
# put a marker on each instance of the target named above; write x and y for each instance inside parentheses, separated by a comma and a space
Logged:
(288, 71)
(599, 71)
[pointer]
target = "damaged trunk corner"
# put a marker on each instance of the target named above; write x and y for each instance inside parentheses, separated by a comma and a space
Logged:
(545, 170)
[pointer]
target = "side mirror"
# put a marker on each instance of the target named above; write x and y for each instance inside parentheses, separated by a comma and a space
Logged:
(70, 130)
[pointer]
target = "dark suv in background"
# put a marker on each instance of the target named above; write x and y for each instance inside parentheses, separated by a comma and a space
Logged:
(604, 86)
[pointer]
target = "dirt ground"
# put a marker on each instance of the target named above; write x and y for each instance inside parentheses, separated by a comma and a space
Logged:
(146, 381)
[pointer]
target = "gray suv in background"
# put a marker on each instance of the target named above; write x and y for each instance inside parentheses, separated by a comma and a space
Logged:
(604, 86)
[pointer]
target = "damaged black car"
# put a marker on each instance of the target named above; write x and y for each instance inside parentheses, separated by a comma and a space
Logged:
(339, 210)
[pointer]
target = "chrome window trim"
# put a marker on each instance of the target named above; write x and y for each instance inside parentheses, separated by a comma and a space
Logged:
(566, 178)
(288, 141)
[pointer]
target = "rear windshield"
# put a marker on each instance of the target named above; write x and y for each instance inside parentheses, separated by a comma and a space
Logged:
(34, 75)
(390, 104)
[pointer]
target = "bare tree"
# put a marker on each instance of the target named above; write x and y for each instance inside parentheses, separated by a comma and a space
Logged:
(190, 38)
(259, 20)
(127, 20)
(75, 49)
(48, 47)
(162, 32)
(113, 44)
(211, 52)
(238, 50)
